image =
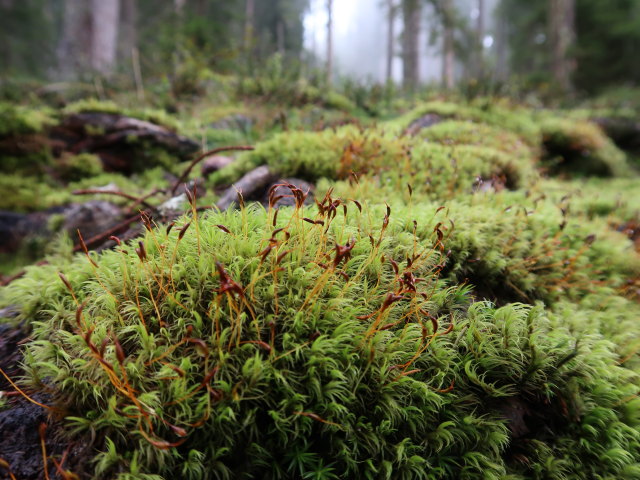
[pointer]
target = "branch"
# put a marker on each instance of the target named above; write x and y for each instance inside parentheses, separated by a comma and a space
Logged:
(138, 200)
(198, 159)
(98, 239)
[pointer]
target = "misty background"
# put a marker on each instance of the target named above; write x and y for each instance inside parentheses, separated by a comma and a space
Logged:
(570, 46)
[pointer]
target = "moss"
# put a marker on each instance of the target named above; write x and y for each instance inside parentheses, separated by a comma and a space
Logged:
(19, 120)
(494, 113)
(220, 138)
(575, 147)
(314, 155)
(76, 167)
(338, 102)
(23, 146)
(485, 316)
(29, 194)
(614, 199)
(456, 132)
(281, 364)
(276, 89)
(159, 117)
(24, 194)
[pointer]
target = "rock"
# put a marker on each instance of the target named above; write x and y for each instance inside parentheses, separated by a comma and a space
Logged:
(20, 422)
(91, 218)
(425, 121)
(233, 122)
(495, 184)
(9, 313)
(124, 144)
(251, 186)
(10, 234)
(214, 163)
(174, 207)
(625, 132)
(282, 190)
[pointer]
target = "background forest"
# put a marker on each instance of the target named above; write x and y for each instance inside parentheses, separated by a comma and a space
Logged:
(581, 46)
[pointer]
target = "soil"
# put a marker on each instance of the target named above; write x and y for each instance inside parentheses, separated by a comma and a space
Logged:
(21, 422)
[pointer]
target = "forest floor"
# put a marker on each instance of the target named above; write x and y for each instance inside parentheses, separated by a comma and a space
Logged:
(92, 176)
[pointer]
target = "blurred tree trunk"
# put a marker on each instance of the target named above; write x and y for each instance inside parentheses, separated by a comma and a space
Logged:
(447, 44)
(391, 16)
(479, 70)
(280, 36)
(250, 8)
(128, 38)
(178, 6)
(105, 15)
(561, 37)
(502, 53)
(329, 72)
(74, 48)
(411, 10)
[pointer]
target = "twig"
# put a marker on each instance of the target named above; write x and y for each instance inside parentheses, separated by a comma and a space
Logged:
(137, 74)
(96, 191)
(98, 239)
(204, 155)
(142, 199)
(6, 281)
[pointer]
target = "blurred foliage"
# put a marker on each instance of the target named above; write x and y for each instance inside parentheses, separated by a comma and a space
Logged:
(601, 28)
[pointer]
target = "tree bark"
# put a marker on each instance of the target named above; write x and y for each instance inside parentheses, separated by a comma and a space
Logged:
(280, 36)
(329, 71)
(562, 36)
(178, 6)
(105, 15)
(501, 49)
(250, 9)
(480, 39)
(128, 38)
(390, 39)
(74, 48)
(411, 11)
(447, 45)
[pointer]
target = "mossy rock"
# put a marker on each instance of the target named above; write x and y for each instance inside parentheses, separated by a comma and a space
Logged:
(508, 117)
(456, 132)
(312, 155)
(24, 146)
(159, 117)
(580, 148)
(72, 168)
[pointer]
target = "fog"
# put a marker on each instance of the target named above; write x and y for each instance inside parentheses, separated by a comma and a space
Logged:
(360, 38)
